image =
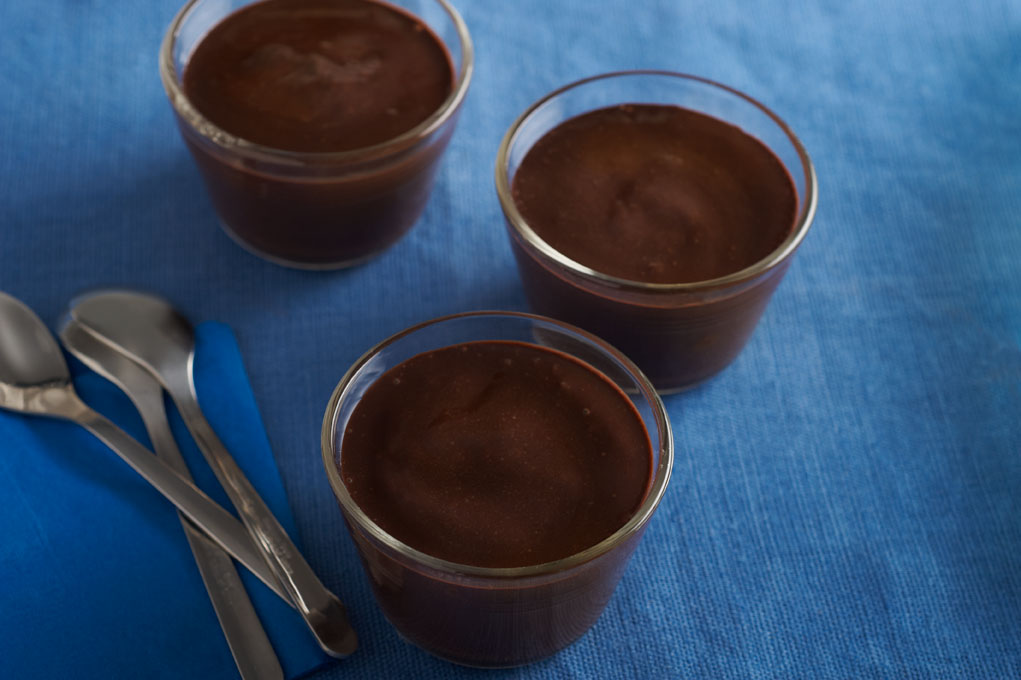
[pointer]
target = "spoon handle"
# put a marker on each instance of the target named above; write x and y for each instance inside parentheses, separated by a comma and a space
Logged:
(249, 645)
(216, 522)
(252, 651)
(322, 611)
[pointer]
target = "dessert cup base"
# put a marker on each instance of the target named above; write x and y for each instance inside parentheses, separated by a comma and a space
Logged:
(295, 264)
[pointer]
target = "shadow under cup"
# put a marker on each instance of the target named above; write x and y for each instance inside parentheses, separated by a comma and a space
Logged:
(494, 617)
(306, 209)
(678, 334)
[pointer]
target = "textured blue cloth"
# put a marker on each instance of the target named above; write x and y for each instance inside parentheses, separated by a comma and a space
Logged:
(98, 580)
(845, 500)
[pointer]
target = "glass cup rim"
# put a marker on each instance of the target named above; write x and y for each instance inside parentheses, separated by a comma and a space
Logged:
(225, 140)
(778, 255)
(642, 515)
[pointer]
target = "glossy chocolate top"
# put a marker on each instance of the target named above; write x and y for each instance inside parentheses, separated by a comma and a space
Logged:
(496, 454)
(655, 193)
(318, 75)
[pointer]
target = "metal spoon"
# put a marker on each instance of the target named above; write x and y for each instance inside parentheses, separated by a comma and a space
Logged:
(252, 651)
(149, 331)
(34, 379)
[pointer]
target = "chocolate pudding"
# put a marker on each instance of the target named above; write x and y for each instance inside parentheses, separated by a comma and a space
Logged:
(496, 454)
(326, 91)
(518, 478)
(657, 194)
(318, 75)
(660, 228)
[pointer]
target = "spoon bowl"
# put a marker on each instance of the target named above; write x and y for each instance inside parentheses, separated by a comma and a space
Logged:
(30, 359)
(145, 328)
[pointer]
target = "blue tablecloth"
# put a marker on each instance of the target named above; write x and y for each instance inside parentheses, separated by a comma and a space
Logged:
(845, 499)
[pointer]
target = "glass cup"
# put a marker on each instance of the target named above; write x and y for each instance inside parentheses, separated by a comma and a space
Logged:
(493, 617)
(315, 210)
(679, 334)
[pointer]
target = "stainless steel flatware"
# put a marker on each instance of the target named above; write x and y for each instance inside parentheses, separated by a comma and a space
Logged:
(34, 380)
(149, 331)
(252, 651)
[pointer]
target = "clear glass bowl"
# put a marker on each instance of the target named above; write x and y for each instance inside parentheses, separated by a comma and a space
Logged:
(315, 210)
(679, 334)
(493, 617)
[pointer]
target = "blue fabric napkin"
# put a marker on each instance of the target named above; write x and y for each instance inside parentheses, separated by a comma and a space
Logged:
(99, 580)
